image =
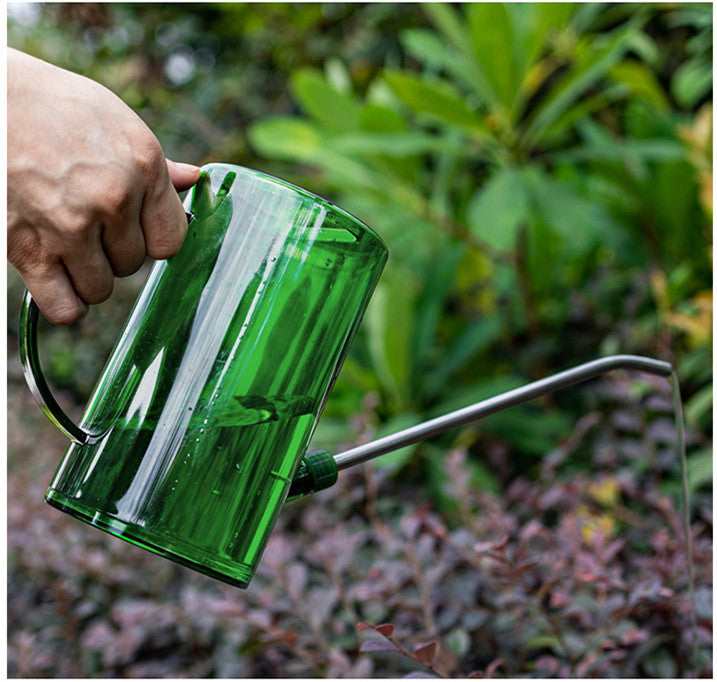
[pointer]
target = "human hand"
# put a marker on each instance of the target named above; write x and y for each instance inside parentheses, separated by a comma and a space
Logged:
(90, 193)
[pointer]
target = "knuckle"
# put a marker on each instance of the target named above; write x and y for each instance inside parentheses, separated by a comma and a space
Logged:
(129, 264)
(149, 158)
(99, 291)
(24, 248)
(64, 311)
(163, 248)
(117, 196)
(73, 225)
(164, 235)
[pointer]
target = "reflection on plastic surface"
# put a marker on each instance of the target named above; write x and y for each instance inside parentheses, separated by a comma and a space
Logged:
(214, 389)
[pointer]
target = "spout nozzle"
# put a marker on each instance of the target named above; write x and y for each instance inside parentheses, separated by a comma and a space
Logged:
(317, 471)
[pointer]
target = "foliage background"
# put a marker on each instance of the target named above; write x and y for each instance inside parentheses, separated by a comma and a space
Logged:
(542, 175)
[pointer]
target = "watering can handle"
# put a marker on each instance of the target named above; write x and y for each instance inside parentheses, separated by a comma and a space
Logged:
(35, 379)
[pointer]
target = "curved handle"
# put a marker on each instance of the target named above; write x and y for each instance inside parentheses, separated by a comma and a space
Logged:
(35, 380)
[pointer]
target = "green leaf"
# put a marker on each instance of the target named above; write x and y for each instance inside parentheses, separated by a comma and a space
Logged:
(389, 324)
(287, 138)
(425, 46)
(533, 26)
(323, 102)
(483, 478)
(545, 642)
(692, 82)
(592, 64)
(377, 118)
(640, 80)
(534, 23)
(581, 222)
(472, 341)
(699, 469)
(555, 133)
(400, 144)
(299, 140)
(436, 287)
(699, 405)
(624, 151)
(435, 97)
(499, 208)
(463, 65)
(450, 23)
(528, 428)
(494, 48)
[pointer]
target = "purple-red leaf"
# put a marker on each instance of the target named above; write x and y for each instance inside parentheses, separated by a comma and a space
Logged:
(386, 629)
(425, 653)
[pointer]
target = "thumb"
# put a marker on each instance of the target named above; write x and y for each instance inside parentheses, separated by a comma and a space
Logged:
(182, 175)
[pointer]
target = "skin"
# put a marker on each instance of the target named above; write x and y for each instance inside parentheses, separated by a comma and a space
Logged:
(90, 192)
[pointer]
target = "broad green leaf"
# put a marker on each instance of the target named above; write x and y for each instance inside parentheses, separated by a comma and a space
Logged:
(590, 67)
(474, 340)
(671, 206)
(624, 151)
(483, 477)
(389, 323)
(338, 76)
(692, 82)
(335, 110)
(699, 469)
(286, 138)
(463, 397)
(640, 80)
(499, 208)
(534, 24)
(529, 428)
(435, 97)
(494, 48)
(426, 46)
(299, 140)
(545, 641)
(699, 406)
(377, 118)
(400, 144)
(451, 23)
(580, 222)
(580, 111)
(431, 301)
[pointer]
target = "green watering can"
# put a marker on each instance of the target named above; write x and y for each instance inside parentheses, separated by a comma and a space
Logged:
(197, 431)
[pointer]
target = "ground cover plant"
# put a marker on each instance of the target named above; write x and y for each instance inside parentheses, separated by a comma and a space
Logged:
(560, 575)
(542, 175)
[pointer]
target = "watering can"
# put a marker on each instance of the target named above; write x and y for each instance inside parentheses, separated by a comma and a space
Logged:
(197, 431)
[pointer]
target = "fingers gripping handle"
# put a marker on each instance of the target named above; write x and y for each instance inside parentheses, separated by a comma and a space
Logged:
(35, 379)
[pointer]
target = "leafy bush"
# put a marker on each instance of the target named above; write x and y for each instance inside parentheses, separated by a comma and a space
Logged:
(528, 170)
(561, 576)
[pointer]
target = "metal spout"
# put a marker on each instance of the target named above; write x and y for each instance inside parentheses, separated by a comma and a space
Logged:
(304, 482)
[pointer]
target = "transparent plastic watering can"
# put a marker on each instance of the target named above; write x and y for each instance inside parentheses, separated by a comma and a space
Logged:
(197, 430)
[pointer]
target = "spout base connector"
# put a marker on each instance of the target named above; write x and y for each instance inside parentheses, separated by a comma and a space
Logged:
(317, 471)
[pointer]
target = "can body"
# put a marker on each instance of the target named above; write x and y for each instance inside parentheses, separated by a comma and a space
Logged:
(212, 393)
